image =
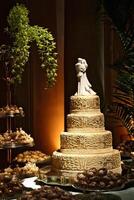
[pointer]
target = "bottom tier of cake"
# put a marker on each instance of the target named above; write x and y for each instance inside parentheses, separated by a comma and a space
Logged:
(71, 164)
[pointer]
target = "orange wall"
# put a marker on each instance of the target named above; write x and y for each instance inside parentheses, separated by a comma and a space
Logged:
(48, 105)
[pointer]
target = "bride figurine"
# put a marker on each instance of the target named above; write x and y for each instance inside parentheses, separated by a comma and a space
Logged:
(84, 87)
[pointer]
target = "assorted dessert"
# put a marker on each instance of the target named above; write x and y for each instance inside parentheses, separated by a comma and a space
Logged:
(9, 185)
(126, 148)
(101, 179)
(129, 171)
(30, 169)
(47, 193)
(32, 156)
(93, 179)
(11, 111)
(17, 137)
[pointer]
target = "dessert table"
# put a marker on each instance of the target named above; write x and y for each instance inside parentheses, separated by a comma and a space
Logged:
(127, 194)
(47, 177)
(124, 194)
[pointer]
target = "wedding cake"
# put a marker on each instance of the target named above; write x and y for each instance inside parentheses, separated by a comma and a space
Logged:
(86, 144)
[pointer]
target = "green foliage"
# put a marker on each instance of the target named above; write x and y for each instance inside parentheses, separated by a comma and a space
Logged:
(46, 46)
(124, 83)
(123, 91)
(16, 53)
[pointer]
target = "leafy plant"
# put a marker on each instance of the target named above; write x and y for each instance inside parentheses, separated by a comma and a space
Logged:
(15, 54)
(122, 17)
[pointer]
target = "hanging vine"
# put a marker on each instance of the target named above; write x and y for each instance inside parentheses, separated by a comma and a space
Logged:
(16, 54)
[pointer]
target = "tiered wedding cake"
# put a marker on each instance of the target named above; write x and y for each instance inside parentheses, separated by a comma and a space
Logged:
(86, 144)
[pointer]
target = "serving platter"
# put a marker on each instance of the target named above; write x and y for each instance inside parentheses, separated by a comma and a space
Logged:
(11, 145)
(129, 183)
(87, 190)
(55, 181)
(91, 196)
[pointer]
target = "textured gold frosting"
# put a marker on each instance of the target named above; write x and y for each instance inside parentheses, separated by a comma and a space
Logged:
(86, 141)
(84, 103)
(79, 162)
(89, 122)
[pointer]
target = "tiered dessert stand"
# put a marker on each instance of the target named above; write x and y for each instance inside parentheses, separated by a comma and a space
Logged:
(11, 139)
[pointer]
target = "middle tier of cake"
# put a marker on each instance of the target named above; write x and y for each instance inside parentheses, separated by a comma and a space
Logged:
(85, 122)
(89, 142)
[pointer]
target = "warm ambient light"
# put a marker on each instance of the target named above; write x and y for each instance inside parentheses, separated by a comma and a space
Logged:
(55, 135)
(49, 118)
(50, 125)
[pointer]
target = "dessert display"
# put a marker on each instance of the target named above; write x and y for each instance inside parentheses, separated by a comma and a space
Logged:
(47, 193)
(9, 186)
(128, 170)
(130, 175)
(86, 144)
(100, 179)
(12, 138)
(30, 169)
(32, 156)
(2, 140)
(126, 148)
(11, 111)
(17, 137)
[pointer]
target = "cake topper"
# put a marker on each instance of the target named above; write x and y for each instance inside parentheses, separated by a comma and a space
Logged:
(84, 87)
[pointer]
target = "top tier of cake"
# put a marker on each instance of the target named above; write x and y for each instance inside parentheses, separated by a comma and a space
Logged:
(84, 103)
(85, 115)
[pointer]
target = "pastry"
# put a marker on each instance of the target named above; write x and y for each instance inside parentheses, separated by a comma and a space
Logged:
(31, 156)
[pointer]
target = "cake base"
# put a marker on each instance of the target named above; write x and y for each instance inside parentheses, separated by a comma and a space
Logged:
(71, 164)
